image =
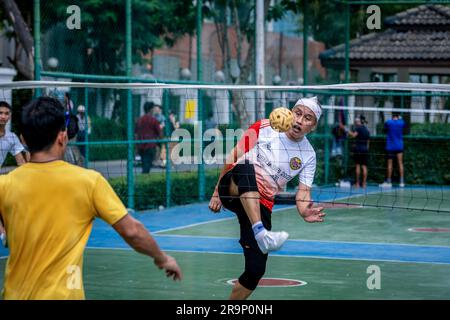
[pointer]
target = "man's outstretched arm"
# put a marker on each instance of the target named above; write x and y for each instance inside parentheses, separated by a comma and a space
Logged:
(135, 234)
(305, 205)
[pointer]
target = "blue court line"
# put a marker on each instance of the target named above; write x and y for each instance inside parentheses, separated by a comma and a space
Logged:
(186, 215)
(181, 216)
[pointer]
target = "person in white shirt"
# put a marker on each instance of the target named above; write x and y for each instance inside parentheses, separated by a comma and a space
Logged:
(258, 167)
(9, 143)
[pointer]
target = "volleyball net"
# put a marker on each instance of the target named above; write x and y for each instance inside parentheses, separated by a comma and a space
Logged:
(200, 124)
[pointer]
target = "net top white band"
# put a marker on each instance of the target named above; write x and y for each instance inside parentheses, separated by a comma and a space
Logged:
(385, 86)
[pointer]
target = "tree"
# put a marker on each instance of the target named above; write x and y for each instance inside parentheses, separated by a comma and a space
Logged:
(155, 23)
(237, 16)
(327, 19)
(23, 41)
(100, 43)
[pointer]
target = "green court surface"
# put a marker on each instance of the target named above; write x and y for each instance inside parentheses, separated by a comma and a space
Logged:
(375, 225)
(124, 274)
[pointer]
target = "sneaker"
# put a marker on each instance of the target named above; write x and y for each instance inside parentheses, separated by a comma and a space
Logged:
(271, 241)
(402, 185)
(386, 185)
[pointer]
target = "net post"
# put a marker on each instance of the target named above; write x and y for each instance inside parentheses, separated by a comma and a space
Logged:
(327, 147)
(86, 119)
(166, 104)
(201, 165)
(200, 116)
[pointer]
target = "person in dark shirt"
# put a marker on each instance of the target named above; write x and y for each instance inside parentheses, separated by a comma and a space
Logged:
(147, 128)
(361, 149)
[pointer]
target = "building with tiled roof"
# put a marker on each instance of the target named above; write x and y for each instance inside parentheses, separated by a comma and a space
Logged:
(415, 47)
(416, 42)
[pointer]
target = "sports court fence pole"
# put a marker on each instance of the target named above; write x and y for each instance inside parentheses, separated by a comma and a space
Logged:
(347, 43)
(130, 122)
(305, 42)
(86, 119)
(347, 77)
(37, 43)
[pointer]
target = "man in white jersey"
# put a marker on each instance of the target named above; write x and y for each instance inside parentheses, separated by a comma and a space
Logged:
(9, 143)
(258, 167)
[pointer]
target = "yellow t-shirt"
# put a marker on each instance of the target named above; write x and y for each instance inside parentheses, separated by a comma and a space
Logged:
(48, 210)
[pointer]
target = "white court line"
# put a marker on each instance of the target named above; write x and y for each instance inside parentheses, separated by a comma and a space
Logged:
(285, 255)
(318, 241)
(218, 220)
(229, 218)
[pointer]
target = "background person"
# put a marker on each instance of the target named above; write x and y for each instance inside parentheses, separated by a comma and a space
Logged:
(360, 150)
(394, 148)
(9, 142)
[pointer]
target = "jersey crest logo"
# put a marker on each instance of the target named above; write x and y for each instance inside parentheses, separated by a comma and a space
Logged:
(295, 163)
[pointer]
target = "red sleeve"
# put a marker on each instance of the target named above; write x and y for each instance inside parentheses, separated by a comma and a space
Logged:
(250, 137)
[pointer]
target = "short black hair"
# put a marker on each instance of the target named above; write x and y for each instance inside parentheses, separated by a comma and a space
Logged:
(5, 105)
(396, 114)
(42, 119)
(148, 106)
(363, 119)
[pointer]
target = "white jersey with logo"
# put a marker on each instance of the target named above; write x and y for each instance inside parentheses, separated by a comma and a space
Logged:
(276, 159)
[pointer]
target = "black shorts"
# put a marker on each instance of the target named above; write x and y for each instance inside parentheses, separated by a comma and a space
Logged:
(234, 204)
(391, 155)
(361, 157)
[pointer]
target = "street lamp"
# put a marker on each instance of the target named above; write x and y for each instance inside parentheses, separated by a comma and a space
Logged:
(185, 74)
(219, 76)
(52, 63)
(276, 80)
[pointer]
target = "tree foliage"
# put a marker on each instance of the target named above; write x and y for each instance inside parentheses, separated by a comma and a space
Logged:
(327, 19)
(101, 39)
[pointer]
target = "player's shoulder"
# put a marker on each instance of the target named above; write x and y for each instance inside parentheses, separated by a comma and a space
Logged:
(260, 124)
(307, 148)
(10, 136)
(306, 143)
(264, 123)
(80, 172)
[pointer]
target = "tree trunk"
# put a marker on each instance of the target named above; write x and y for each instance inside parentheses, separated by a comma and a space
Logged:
(23, 37)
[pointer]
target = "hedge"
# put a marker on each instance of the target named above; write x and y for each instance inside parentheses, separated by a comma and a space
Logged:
(426, 162)
(150, 189)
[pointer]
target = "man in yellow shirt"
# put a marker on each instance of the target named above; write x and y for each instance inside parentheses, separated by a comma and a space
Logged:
(48, 207)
